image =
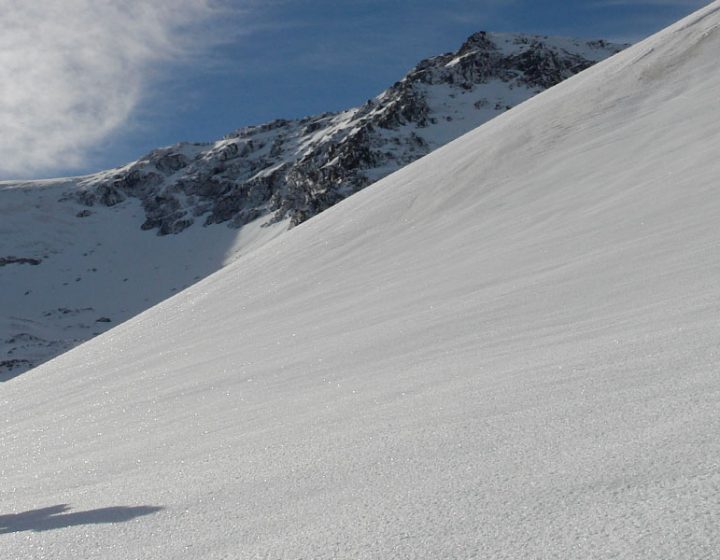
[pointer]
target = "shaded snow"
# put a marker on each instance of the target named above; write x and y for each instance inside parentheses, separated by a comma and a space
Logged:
(94, 272)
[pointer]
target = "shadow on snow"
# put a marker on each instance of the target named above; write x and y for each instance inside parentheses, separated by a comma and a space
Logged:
(55, 517)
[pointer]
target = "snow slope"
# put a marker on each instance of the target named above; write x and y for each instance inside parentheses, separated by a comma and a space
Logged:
(69, 279)
(73, 261)
(508, 349)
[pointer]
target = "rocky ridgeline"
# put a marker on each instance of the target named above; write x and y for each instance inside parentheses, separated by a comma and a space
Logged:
(297, 168)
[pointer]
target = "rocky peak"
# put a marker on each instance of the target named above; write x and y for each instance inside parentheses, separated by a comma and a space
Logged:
(294, 169)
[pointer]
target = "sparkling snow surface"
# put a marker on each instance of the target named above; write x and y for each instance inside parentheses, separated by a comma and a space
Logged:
(506, 350)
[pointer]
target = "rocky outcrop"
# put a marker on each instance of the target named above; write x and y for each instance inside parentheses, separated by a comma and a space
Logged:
(294, 169)
(19, 260)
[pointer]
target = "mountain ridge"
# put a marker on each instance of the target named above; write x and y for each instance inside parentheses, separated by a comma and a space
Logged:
(95, 270)
(294, 169)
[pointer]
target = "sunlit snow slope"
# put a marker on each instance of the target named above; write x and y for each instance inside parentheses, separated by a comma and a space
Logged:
(511, 353)
(74, 263)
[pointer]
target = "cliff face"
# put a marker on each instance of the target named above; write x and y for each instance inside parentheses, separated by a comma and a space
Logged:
(297, 168)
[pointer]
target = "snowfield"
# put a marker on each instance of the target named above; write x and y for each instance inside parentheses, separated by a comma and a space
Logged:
(508, 349)
(75, 263)
(92, 272)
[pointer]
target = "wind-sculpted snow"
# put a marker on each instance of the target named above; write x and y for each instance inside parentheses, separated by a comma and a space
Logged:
(297, 168)
(98, 264)
(508, 349)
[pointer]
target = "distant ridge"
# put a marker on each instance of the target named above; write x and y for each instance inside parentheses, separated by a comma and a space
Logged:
(297, 168)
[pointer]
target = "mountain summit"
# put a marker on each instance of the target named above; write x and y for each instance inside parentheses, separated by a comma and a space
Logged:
(297, 168)
(75, 261)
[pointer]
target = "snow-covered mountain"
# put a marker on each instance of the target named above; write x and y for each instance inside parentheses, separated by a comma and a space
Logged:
(297, 168)
(74, 262)
(508, 349)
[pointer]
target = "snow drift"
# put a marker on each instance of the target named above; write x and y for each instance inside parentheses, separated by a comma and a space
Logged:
(506, 350)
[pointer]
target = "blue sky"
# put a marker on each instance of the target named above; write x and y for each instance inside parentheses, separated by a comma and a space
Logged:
(86, 102)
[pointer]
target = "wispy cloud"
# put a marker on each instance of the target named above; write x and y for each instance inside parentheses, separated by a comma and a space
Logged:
(73, 71)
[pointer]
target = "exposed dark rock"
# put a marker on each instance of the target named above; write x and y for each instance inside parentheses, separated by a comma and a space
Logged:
(19, 260)
(67, 311)
(294, 169)
(12, 364)
(24, 338)
(169, 163)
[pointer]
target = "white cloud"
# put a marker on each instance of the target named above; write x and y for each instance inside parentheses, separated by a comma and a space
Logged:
(73, 71)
